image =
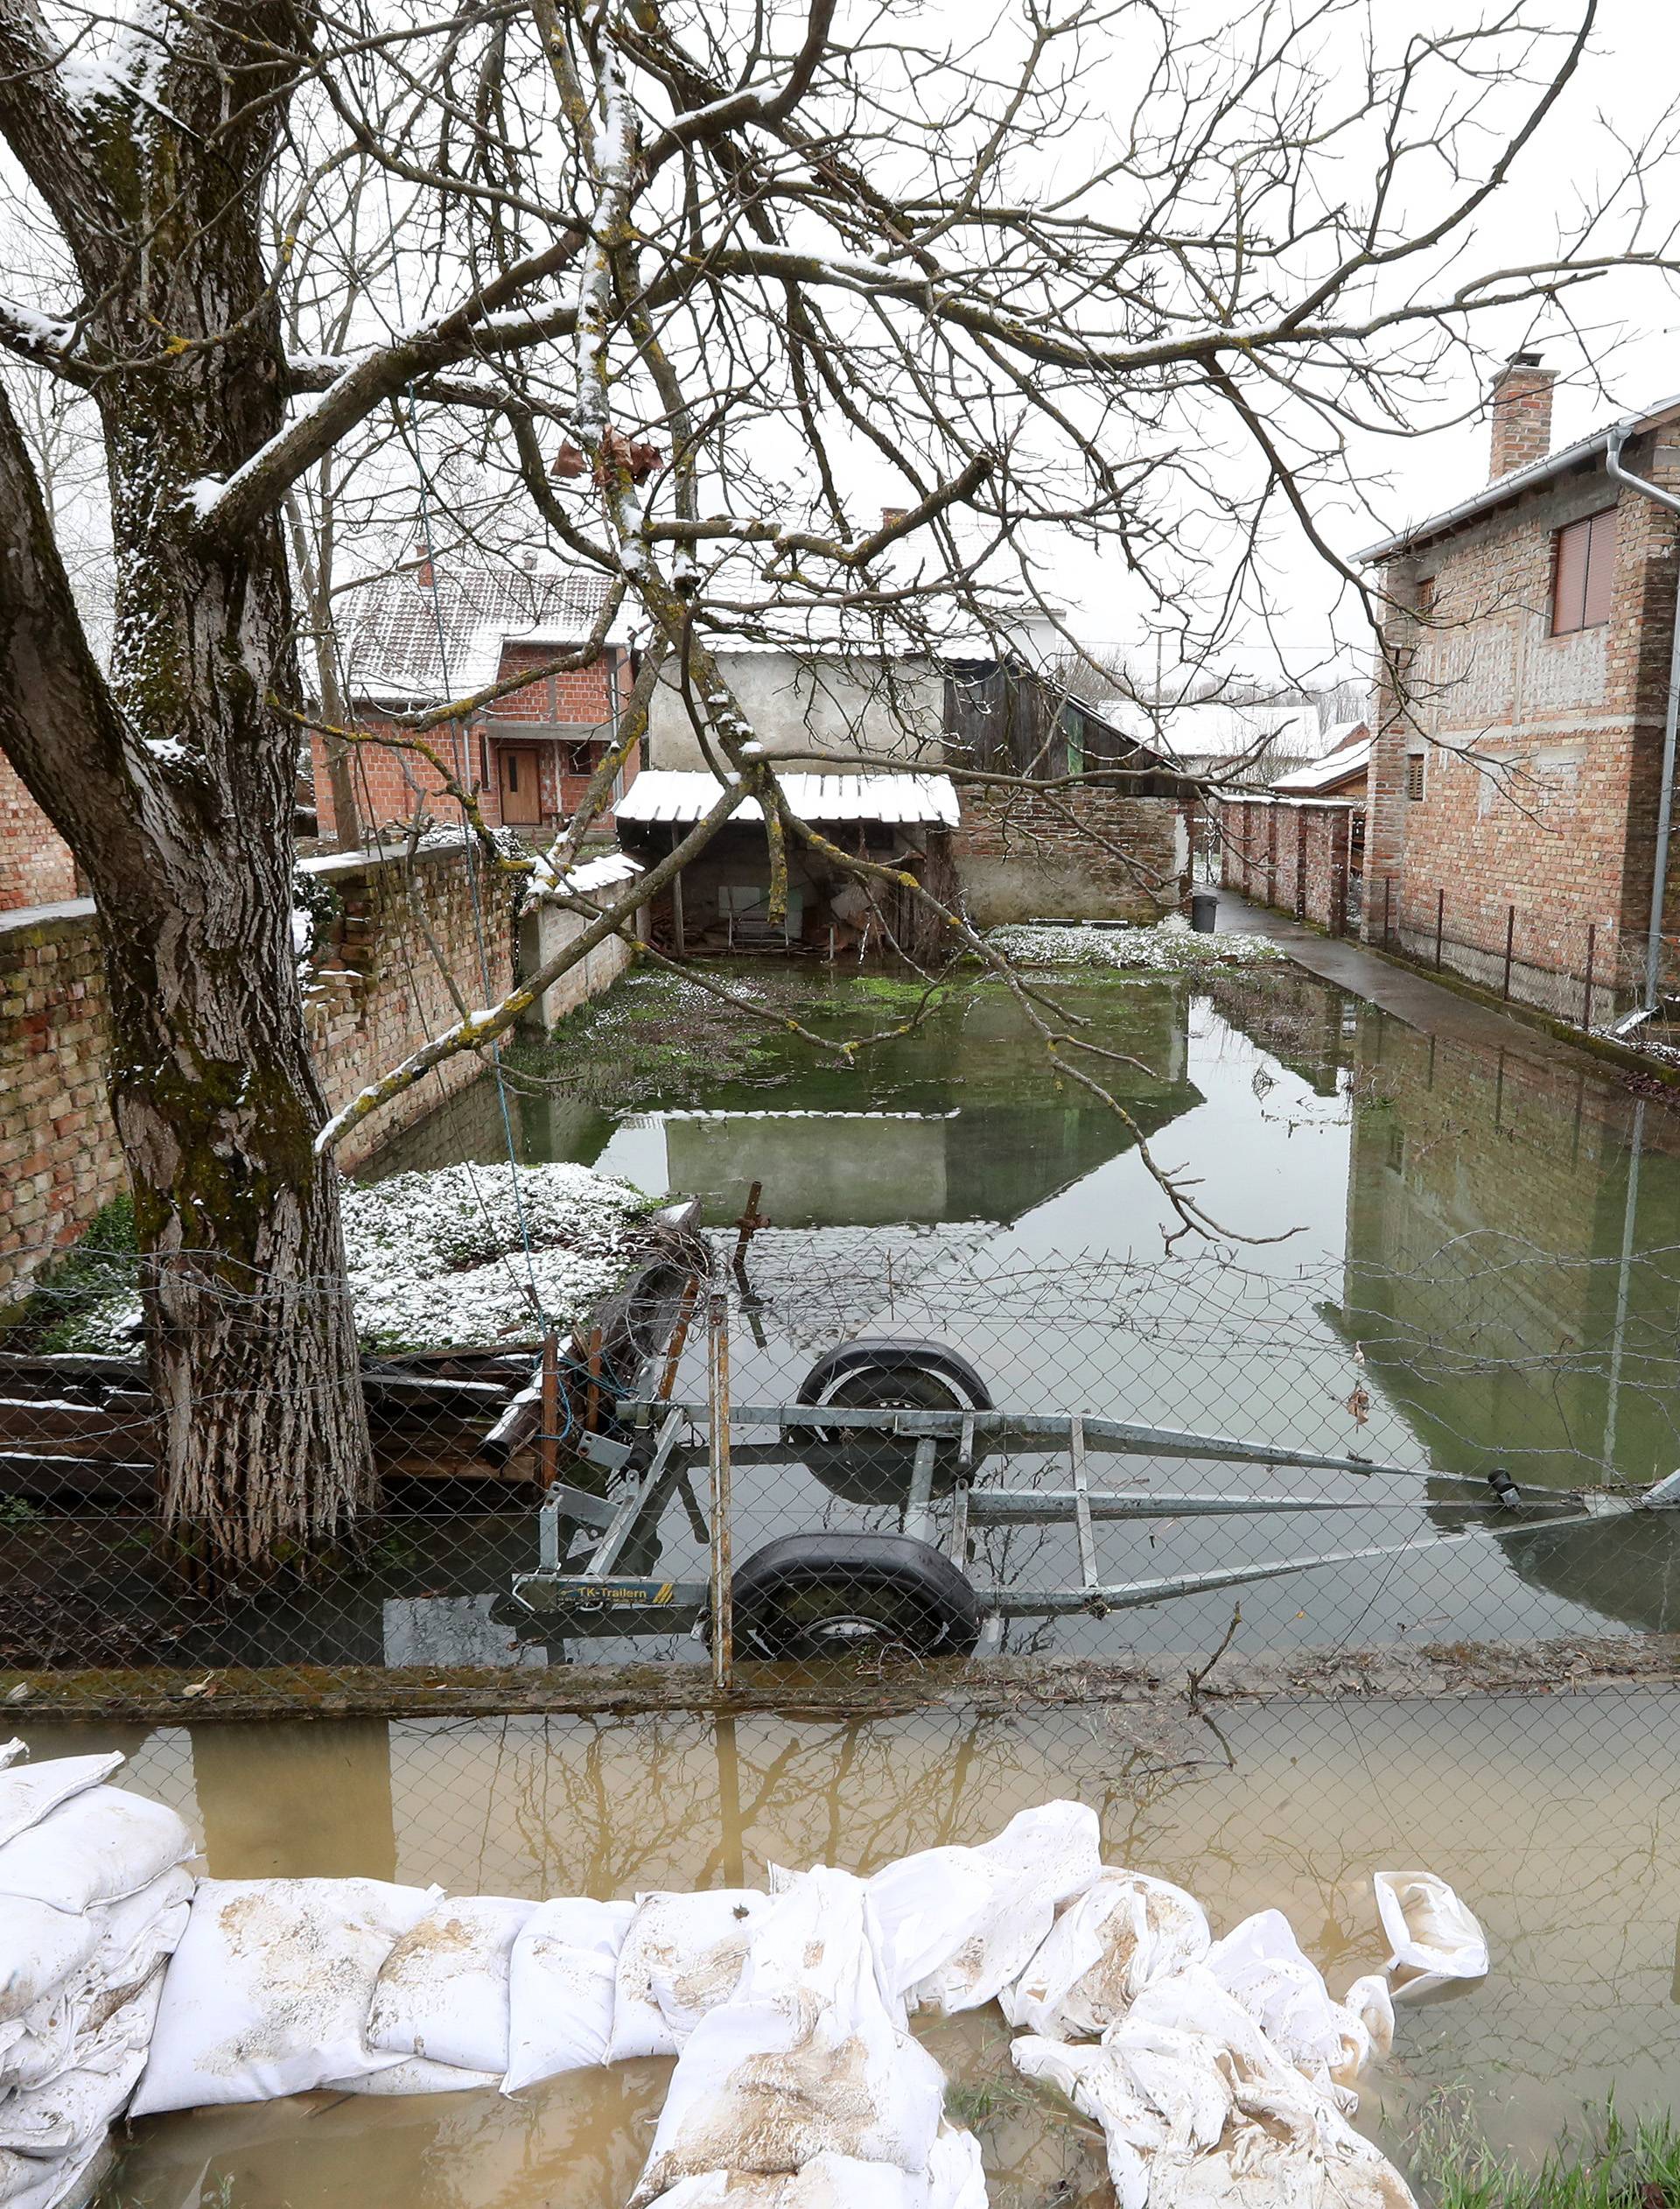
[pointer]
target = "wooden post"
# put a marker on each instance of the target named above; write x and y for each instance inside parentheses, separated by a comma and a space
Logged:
(1510, 932)
(679, 940)
(679, 1337)
(548, 1441)
(1586, 994)
(723, 1616)
(1440, 918)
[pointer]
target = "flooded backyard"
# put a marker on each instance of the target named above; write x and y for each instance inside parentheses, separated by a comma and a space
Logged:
(1453, 1254)
(1566, 1847)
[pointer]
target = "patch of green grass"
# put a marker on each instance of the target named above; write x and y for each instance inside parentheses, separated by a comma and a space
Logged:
(1609, 2164)
(104, 1263)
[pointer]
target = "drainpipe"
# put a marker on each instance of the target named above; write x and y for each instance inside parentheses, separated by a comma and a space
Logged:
(1618, 438)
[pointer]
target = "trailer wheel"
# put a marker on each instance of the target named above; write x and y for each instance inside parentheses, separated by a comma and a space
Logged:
(875, 1467)
(807, 1596)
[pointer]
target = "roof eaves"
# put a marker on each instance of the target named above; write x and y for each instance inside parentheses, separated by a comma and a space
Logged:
(1506, 487)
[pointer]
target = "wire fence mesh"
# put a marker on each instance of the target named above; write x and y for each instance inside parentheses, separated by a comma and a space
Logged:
(940, 1442)
(925, 1448)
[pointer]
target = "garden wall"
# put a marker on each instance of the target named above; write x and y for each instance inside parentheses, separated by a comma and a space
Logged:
(1288, 853)
(377, 992)
(1077, 854)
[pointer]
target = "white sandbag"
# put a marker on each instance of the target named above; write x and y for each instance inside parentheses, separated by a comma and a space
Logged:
(1370, 2003)
(561, 1987)
(30, 2182)
(1199, 2111)
(148, 1923)
(1434, 1939)
(98, 2030)
(805, 2060)
(1261, 1965)
(71, 2112)
(418, 2075)
(827, 2182)
(270, 1989)
(956, 2178)
(28, 1795)
(1123, 1933)
(681, 1955)
(102, 1845)
(40, 1948)
(953, 1927)
(442, 1992)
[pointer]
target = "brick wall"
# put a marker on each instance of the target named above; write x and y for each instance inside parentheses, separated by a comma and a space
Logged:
(1089, 854)
(1540, 753)
(1288, 853)
(389, 782)
(377, 992)
(36, 868)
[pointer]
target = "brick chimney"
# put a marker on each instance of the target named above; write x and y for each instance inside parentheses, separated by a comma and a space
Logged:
(1520, 401)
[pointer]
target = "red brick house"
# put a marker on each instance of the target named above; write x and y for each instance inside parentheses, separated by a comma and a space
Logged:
(416, 638)
(1525, 717)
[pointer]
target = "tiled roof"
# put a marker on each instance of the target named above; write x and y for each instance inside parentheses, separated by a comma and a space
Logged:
(406, 643)
(668, 794)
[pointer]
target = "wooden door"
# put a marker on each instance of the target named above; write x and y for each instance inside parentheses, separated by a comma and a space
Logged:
(517, 774)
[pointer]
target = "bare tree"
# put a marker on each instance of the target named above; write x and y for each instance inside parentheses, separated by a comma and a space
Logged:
(1085, 273)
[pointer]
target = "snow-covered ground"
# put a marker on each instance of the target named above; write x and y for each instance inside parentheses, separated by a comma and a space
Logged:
(440, 1258)
(1170, 948)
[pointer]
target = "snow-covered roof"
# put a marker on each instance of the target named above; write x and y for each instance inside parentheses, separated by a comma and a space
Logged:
(593, 875)
(1335, 767)
(1215, 730)
(411, 643)
(668, 794)
(939, 631)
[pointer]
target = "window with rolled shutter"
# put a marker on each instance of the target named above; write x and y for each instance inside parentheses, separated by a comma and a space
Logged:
(1583, 571)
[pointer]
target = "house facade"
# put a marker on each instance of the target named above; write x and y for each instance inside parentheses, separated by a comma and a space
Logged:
(421, 636)
(1522, 702)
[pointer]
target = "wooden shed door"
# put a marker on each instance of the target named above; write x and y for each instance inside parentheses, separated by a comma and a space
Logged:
(521, 803)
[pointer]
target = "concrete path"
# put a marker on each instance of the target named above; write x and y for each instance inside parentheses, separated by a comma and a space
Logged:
(1413, 998)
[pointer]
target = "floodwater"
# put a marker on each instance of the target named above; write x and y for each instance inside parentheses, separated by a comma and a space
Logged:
(1567, 1844)
(1453, 1256)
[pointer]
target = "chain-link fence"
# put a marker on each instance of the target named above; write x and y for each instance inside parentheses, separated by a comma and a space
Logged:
(835, 1544)
(801, 1450)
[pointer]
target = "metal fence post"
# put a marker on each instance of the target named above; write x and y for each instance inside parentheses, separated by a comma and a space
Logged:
(723, 1618)
(1586, 994)
(1511, 931)
(1440, 916)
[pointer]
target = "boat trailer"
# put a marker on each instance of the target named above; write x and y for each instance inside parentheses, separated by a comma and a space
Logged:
(910, 1425)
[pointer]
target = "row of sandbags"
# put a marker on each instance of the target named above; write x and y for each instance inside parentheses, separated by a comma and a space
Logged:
(94, 1890)
(797, 2083)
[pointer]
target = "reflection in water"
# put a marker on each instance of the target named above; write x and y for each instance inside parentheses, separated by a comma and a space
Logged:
(1566, 1847)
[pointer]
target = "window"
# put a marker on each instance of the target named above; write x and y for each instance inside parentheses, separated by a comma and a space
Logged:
(1415, 776)
(1583, 560)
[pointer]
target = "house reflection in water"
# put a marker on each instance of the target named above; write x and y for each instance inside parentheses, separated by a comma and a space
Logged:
(1513, 1278)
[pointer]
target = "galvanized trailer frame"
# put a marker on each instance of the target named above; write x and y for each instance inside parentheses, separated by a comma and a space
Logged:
(670, 1436)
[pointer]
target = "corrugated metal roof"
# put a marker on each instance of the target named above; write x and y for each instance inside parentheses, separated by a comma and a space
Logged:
(669, 794)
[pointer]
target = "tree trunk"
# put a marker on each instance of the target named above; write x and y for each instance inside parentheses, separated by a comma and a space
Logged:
(173, 783)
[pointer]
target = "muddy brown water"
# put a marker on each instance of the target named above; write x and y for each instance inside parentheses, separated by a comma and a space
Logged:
(1557, 1817)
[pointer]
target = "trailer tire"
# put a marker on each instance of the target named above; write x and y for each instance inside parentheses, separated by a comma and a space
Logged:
(876, 1467)
(808, 1596)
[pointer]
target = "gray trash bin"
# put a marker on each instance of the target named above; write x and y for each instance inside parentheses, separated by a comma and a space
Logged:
(1204, 909)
